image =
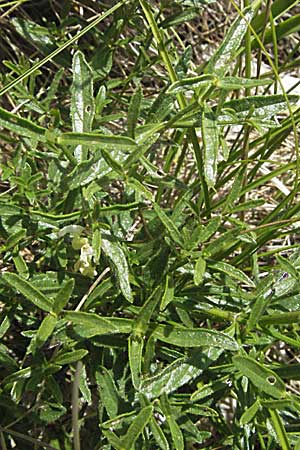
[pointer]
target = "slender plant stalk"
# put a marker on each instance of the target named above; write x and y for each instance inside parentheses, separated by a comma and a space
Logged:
(269, 59)
(75, 406)
(56, 52)
(26, 438)
(2, 441)
(180, 97)
(245, 153)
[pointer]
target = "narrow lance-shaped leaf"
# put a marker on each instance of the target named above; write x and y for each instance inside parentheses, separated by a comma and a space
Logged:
(168, 294)
(133, 111)
(159, 435)
(141, 323)
(287, 266)
(113, 439)
(194, 337)
(232, 83)
(63, 296)
(258, 308)
(210, 136)
(219, 63)
(20, 126)
(45, 329)
(13, 239)
(136, 341)
(112, 249)
(176, 433)
(231, 271)
(260, 106)
(200, 267)
(82, 101)
(191, 83)
(96, 245)
(28, 290)
(137, 427)
(90, 324)
(169, 225)
(70, 357)
(103, 140)
(264, 379)
(107, 391)
(179, 372)
(135, 352)
(250, 412)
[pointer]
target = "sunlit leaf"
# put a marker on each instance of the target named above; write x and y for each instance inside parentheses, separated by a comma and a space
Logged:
(265, 380)
(82, 105)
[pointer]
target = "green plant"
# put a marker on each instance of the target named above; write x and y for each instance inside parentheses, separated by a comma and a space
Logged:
(147, 279)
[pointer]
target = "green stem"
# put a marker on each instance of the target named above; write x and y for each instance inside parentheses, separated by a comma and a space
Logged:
(180, 97)
(60, 49)
(279, 429)
(75, 406)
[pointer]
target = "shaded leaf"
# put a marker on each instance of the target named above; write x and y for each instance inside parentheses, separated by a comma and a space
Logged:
(63, 296)
(28, 291)
(70, 357)
(136, 427)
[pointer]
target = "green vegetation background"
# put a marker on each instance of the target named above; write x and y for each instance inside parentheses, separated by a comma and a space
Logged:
(149, 219)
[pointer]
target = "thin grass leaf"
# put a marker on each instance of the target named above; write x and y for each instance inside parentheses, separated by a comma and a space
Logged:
(279, 429)
(285, 28)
